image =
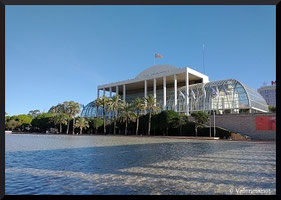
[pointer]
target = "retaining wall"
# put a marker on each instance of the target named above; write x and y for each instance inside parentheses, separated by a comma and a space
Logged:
(248, 124)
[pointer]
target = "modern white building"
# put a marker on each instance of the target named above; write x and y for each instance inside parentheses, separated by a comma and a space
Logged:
(157, 80)
(183, 90)
(269, 94)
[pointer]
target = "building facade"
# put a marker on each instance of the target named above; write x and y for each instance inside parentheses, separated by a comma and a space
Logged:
(269, 93)
(183, 90)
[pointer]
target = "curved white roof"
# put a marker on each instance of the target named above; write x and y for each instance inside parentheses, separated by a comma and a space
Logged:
(155, 69)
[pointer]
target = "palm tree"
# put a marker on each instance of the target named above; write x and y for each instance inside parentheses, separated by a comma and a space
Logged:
(103, 102)
(199, 118)
(98, 104)
(70, 108)
(81, 123)
(127, 114)
(113, 105)
(139, 106)
(60, 108)
(74, 109)
(60, 119)
(150, 107)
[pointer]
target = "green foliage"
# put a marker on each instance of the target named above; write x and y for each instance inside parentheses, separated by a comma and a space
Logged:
(114, 104)
(179, 122)
(81, 123)
(95, 123)
(127, 115)
(24, 120)
(103, 102)
(34, 113)
(151, 107)
(60, 119)
(12, 124)
(43, 121)
(138, 105)
(200, 117)
(167, 119)
(272, 109)
(60, 108)
(188, 129)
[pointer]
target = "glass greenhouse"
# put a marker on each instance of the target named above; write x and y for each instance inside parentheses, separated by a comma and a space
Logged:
(225, 96)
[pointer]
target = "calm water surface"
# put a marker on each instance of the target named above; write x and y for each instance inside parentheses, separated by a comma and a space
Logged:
(60, 164)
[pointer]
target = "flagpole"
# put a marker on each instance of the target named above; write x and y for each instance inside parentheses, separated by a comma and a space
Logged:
(154, 57)
(203, 60)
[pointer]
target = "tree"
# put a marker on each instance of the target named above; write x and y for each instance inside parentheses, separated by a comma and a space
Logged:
(103, 102)
(24, 120)
(167, 119)
(81, 123)
(74, 109)
(60, 108)
(113, 105)
(200, 118)
(60, 119)
(272, 109)
(70, 108)
(127, 114)
(180, 121)
(139, 107)
(12, 124)
(150, 107)
(7, 118)
(95, 123)
(34, 113)
(43, 121)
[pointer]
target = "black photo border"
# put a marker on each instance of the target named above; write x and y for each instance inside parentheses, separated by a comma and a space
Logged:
(3, 3)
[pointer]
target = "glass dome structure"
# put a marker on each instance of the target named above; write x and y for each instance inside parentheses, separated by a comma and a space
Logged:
(91, 110)
(224, 96)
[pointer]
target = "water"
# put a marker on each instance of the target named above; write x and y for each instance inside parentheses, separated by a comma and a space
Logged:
(60, 164)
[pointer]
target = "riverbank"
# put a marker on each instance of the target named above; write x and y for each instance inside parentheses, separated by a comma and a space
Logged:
(145, 136)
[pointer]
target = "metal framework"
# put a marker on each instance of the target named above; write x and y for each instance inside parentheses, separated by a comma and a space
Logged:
(224, 96)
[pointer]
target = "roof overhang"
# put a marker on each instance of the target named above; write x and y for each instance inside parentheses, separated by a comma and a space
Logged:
(156, 72)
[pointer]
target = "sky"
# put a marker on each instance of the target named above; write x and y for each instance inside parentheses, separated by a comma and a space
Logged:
(61, 53)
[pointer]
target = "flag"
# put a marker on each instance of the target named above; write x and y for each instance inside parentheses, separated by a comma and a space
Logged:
(214, 92)
(157, 55)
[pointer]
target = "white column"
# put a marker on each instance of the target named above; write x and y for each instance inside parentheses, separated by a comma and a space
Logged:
(145, 93)
(103, 91)
(124, 92)
(110, 92)
(164, 93)
(145, 88)
(186, 92)
(175, 91)
(117, 87)
(98, 95)
(154, 90)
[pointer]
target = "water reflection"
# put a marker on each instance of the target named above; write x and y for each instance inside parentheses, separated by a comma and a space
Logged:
(138, 167)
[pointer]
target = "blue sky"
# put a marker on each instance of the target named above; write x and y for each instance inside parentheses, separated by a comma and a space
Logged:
(59, 53)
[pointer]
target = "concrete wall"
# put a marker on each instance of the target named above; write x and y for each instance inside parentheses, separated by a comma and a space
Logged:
(245, 124)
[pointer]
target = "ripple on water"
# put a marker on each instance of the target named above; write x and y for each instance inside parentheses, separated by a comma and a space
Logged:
(47, 164)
